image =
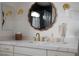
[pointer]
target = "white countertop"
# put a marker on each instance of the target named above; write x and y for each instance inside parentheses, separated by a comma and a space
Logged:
(43, 45)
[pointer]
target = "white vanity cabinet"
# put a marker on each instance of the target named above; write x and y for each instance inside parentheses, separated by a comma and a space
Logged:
(23, 51)
(6, 50)
(10, 50)
(29, 51)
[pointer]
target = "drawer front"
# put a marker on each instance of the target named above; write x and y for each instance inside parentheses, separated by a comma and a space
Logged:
(6, 54)
(20, 55)
(29, 51)
(56, 53)
(6, 48)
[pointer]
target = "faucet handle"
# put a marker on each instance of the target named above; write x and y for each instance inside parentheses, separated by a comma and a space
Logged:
(34, 38)
(43, 38)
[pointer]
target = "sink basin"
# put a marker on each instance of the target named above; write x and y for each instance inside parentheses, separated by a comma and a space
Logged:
(47, 43)
(37, 42)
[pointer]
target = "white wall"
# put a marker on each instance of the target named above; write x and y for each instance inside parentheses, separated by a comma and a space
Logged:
(19, 23)
(0, 16)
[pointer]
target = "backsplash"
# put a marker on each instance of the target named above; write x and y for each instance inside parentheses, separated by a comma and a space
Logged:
(19, 23)
(6, 35)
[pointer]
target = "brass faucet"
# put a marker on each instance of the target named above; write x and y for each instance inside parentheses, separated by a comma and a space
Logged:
(38, 36)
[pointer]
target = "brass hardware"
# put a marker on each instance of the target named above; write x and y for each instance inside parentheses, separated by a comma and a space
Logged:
(43, 38)
(38, 36)
(34, 38)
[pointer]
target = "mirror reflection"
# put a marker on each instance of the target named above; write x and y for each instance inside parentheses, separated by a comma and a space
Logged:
(40, 15)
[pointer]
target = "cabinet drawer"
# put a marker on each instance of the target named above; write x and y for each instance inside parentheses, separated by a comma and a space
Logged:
(6, 48)
(6, 54)
(56, 53)
(29, 51)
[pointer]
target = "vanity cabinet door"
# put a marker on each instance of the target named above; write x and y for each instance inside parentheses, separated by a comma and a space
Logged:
(29, 51)
(5, 54)
(6, 48)
(57, 53)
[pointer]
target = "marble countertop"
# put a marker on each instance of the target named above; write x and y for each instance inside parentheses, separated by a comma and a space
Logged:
(43, 45)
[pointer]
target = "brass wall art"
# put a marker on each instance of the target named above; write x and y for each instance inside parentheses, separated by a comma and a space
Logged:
(20, 11)
(8, 12)
(66, 6)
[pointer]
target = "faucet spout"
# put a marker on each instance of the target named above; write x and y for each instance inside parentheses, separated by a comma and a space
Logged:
(38, 36)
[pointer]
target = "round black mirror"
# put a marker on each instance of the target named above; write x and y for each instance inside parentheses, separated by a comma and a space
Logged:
(42, 15)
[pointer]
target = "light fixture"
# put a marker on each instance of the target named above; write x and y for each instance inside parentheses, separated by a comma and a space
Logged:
(35, 14)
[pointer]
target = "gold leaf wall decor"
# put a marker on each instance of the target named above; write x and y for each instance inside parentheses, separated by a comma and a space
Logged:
(66, 6)
(8, 12)
(20, 11)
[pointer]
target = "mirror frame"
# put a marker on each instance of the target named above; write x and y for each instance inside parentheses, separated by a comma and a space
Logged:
(54, 12)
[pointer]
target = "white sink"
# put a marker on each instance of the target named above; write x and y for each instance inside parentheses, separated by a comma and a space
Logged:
(47, 43)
